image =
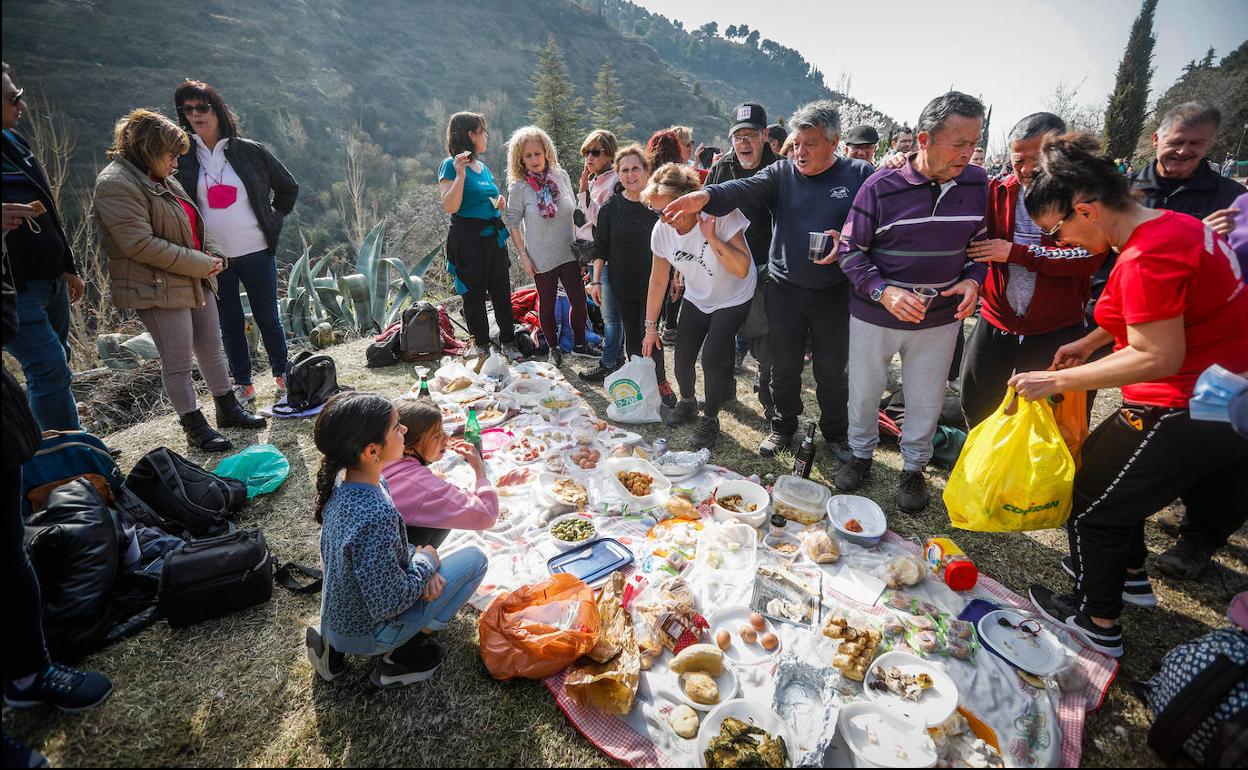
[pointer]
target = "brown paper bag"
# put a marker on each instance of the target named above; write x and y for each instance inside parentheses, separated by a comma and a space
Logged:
(608, 680)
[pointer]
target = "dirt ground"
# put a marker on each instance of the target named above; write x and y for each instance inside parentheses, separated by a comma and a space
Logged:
(239, 690)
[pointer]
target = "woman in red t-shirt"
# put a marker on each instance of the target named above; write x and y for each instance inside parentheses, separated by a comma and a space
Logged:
(1174, 305)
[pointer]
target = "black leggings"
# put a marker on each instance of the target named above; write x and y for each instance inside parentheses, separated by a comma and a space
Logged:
(632, 314)
(25, 652)
(715, 335)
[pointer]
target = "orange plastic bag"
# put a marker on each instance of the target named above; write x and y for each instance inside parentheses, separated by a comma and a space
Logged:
(538, 630)
(1071, 412)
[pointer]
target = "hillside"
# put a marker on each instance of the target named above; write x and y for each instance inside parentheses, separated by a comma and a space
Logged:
(314, 78)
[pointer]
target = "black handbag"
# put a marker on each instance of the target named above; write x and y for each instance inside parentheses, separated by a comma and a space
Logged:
(183, 495)
(311, 381)
(208, 578)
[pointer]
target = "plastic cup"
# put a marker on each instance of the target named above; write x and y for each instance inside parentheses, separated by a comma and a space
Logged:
(818, 244)
(925, 294)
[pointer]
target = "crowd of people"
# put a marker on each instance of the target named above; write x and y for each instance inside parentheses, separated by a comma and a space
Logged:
(798, 244)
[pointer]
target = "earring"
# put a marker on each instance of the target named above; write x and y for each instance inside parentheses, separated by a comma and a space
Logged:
(376, 459)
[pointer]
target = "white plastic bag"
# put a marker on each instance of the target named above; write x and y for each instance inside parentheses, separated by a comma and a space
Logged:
(633, 392)
(496, 367)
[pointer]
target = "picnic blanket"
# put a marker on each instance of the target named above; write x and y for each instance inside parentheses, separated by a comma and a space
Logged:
(1035, 727)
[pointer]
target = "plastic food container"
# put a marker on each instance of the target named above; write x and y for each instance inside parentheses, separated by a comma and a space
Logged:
(868, 514)
(877, 738)
(751, 494)
(567, 545)
(660, 487)
(800, 500)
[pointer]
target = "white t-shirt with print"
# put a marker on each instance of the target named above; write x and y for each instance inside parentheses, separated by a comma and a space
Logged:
(708, 284)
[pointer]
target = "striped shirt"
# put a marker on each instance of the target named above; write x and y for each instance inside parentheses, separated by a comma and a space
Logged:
(1022, 285)
(907, 230)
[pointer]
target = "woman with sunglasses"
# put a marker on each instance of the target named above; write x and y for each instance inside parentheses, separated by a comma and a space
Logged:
(1174, 305)
(598, 184)
(244, 193)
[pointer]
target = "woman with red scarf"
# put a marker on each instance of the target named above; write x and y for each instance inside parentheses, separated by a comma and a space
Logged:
(540, 203)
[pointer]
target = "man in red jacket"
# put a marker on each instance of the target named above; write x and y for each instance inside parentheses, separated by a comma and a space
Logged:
(1034, 297)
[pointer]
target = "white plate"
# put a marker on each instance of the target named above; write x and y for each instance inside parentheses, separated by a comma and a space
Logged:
(546, 481)
(748, 712)
(933, 706)
(1042, 655)
(492, 422)
(750, 493)
(515, 450)
(726, 681)
(859, 722)
(613, 437)
(731, 619)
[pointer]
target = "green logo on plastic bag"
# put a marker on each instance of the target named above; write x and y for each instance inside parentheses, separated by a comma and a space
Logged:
(625, 394)
(1031, 509)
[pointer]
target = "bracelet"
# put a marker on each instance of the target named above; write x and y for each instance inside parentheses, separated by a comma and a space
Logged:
(595, 283)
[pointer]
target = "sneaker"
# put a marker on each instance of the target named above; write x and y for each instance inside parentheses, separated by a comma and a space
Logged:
(852, 474)
(912, 494)
(1171, 521)
(598, 373)
(1186, 560)
(738, 363)
(1137, 589)
(668, 336)
(586, 350)
(774, 443)
(512, 352)
(327, 661)
(555, 356)
(407, 665)
(705, 434)
(245, 393)
(1063, 609)
(66, 688)
(18, 754)
(667, 395)
(840, 450)
(685, 410)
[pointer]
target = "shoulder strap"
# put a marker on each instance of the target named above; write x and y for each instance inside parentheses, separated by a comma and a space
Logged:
(285, 577)
(1192, 705)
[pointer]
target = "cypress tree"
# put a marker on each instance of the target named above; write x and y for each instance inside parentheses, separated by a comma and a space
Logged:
(984, 136)
(608, 109)
(1124, 118)
(556, 109)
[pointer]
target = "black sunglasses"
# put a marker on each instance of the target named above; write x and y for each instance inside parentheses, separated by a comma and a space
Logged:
(595, 152)
(201, 109)
(16, 96)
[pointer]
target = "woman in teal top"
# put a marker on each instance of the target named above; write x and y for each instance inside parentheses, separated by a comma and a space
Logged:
(476, 246)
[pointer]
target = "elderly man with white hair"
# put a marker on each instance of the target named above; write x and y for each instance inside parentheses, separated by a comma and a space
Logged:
(807, 295)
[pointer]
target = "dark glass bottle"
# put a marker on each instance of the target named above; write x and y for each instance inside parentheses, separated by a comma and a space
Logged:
(804, 459)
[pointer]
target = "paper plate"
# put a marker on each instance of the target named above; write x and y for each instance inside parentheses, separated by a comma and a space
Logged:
(726, 681)
(731, 619)
(748, 712)
(1042, 654)
(933, 707)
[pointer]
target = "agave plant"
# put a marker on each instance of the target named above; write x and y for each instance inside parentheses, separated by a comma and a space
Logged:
(368, 300)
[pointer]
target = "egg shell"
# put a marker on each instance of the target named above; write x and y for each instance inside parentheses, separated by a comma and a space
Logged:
(758, 621)
(769, 641)
(748, 634)
(723, 639)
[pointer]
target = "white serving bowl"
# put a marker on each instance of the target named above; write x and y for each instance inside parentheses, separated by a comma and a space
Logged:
(750, 493)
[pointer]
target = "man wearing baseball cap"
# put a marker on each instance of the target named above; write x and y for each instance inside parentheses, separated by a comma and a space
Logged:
(750, 153)
(860, 143)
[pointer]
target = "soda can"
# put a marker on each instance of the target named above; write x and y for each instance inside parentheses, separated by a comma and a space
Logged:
(660, 447)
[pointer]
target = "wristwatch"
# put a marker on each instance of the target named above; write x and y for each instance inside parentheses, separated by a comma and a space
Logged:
(877, 293)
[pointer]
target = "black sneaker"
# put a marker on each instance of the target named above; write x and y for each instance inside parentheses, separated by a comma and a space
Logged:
(668, 336)
(685, 410)
(775, 443)
(1137, 589)
(555, 356)
(852, 474)
(1063, 609)
(667, 395)
(18, 754)
(414, 662)
(598, 373)
(1171, 522)
(705, 433)
(840, 450)
(66, 688)
(912, 494)
(327, 661)
(1186, 560)
(738, 363)
(586, 350)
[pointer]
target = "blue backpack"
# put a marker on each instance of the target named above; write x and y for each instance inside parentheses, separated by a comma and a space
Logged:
(63, 456)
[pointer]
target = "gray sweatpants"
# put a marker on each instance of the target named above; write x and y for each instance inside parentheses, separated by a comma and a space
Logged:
(179, 333)
(925, 358)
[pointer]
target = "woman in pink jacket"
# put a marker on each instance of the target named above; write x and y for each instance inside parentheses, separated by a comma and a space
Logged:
(431, 507)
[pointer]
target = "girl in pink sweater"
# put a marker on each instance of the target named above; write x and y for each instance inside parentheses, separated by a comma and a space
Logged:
(431, 507)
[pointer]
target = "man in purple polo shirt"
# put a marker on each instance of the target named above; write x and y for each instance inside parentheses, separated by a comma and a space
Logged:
(904, 252)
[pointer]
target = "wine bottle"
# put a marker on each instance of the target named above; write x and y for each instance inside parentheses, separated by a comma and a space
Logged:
(804, 458)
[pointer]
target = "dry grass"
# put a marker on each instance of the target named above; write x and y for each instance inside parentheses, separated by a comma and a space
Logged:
(239, 691)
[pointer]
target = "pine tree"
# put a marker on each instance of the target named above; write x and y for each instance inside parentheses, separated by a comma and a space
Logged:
(556, 109)
(1124, 118)
(608, 109)
(983, 134)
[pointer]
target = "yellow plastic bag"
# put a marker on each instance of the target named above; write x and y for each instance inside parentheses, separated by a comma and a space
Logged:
(1015, 473)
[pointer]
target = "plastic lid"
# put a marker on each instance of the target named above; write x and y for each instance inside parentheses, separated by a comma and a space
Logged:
(961, 575)
(798, 492)
(778, 521)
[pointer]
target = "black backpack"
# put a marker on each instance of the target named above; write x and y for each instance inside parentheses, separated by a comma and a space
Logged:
(420, 337)
(384, 350)
(208, 578)
(310, 382)
(180, 497)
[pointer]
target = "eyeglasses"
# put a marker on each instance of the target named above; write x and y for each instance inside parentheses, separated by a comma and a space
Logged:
(198, 109)
(1030, 627)
(16, 96)
(747, 136)
(595, 152)
(1055, 233)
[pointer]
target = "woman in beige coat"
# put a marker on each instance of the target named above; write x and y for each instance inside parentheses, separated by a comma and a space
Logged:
(161, 265)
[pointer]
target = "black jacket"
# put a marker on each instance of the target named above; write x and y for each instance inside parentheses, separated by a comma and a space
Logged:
(271, 189)
(1206, 192)
(758, 234)
(21, 432)
(41, 255)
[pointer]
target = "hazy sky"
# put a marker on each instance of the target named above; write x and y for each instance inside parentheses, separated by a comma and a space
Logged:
(901, 53)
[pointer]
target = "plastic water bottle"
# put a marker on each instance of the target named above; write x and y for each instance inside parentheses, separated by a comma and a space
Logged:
(472, 431)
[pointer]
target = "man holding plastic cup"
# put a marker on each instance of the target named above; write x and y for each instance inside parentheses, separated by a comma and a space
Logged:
(904, 251)
(806, 298)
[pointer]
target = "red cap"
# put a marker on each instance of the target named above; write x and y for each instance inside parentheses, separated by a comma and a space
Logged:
(961, 575)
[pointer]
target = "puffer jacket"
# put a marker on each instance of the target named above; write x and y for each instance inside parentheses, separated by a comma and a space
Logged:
(152, 261)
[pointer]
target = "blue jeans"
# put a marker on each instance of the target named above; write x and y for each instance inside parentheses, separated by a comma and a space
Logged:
(258, 273)
(462, 570)
(613, 333)
(41, 347)
(743, 344)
